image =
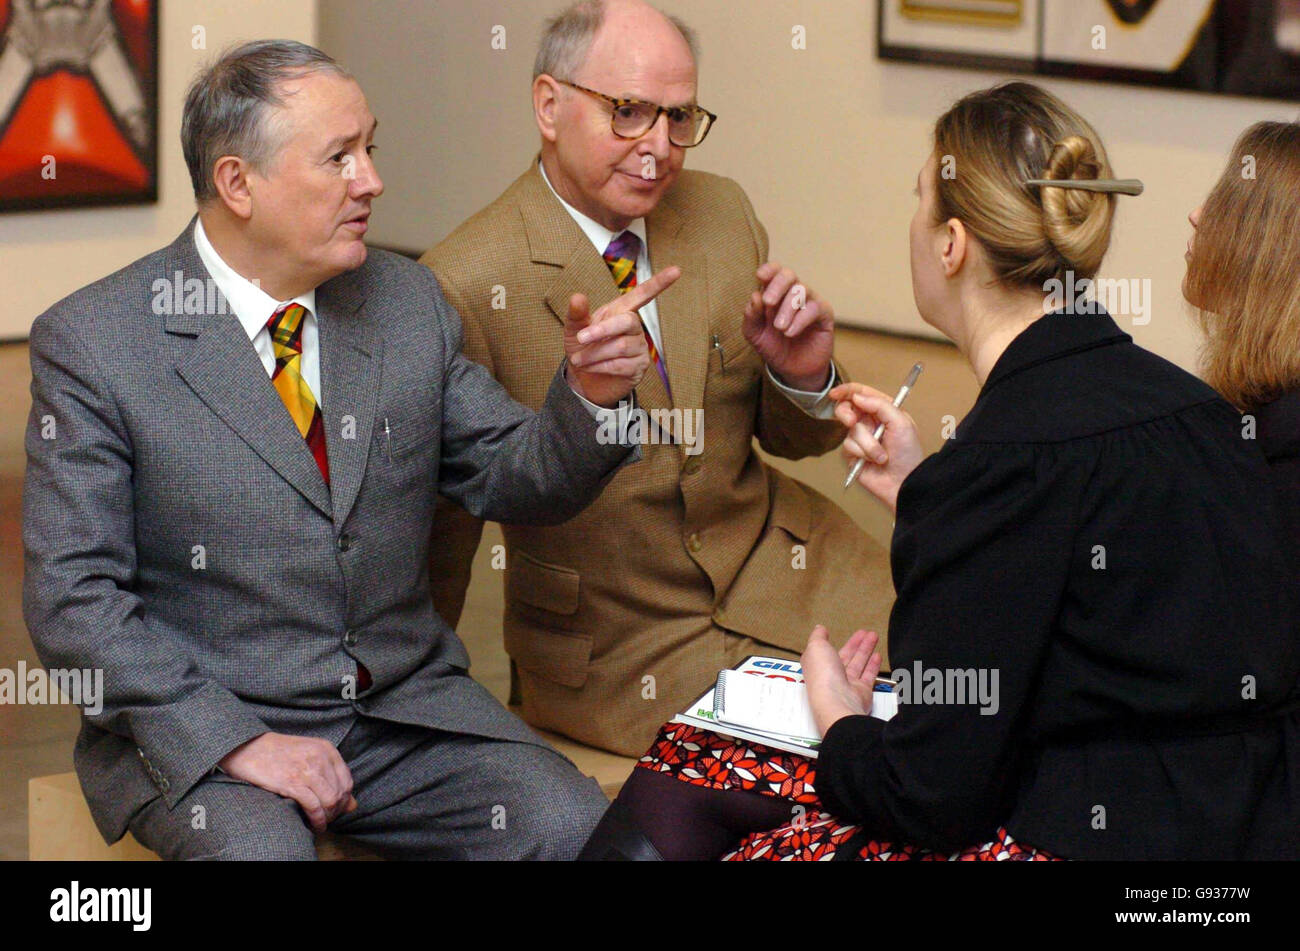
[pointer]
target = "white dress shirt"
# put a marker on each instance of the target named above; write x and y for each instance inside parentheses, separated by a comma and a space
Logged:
(254, 307)
(814, 404)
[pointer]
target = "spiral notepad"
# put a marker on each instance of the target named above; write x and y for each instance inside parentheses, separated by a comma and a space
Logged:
(736, 700)
(761, 703)
(779, 707)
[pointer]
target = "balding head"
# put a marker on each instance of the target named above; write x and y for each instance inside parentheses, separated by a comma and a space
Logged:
(621, 49)
(567, 37)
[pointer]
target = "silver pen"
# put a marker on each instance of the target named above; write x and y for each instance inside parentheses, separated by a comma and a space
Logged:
(880, 428)
(388, 440)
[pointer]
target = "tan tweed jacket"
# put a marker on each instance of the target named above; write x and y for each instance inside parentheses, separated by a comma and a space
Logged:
(686, 563)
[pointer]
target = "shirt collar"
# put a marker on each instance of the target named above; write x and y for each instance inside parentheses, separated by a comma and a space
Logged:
(596, 233)
(1052, 337)
(252, 305)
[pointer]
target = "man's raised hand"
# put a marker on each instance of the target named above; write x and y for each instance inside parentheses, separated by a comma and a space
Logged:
(791, 328)
(607, 349)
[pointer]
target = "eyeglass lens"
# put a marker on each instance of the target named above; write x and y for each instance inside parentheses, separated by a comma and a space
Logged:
(632, 120)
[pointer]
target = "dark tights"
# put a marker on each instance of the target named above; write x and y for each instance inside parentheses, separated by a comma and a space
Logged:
(694, 823)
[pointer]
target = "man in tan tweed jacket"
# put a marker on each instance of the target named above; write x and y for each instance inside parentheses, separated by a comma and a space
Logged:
(701, 554)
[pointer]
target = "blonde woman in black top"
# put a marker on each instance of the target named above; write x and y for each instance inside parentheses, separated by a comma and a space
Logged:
(1243, 279)
(1093, 543)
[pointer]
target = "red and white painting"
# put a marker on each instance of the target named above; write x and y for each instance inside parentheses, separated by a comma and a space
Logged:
(78, 102)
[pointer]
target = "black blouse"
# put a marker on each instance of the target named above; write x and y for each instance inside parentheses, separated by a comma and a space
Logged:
(1098, 533)
(1277, 426)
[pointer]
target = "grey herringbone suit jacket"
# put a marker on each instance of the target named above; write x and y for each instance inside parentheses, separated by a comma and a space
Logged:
(179, 535)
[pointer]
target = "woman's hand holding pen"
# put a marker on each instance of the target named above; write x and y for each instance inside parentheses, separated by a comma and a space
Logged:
(890, 459)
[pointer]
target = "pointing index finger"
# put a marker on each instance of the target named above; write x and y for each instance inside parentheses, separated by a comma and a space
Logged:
(643, 294)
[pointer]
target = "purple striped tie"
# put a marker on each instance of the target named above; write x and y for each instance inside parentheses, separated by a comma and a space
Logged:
(621, 257)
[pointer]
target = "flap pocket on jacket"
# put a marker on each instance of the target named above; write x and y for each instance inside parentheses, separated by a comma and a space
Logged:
(552, 588)
(558, 656)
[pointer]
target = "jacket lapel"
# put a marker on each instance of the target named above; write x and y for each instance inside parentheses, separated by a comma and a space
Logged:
(683, 310)
(224, 371)
(554, 238)
(351, 357)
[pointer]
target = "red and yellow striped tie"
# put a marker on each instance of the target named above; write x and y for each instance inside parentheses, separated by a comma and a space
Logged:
(285, 326)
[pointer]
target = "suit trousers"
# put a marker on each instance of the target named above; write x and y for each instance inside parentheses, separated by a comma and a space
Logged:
(421, 794)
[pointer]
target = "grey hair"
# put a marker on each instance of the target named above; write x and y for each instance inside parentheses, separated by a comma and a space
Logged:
(228, 106)
(567, 37)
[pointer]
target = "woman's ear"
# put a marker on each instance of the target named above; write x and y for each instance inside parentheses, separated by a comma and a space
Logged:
(954, 249)
(546, 104)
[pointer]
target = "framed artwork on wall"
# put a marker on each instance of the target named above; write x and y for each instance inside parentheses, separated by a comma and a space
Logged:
(1239, 47)
(78, 103)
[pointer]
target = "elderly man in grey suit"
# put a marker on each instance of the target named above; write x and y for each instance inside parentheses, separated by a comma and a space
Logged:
(235, 448)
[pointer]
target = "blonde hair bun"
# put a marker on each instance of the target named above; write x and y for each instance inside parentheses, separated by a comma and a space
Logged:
(1008, 143)
(1076, 222)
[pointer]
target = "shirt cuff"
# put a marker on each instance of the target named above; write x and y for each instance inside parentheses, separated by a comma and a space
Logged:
(816, 405)
(615, 418)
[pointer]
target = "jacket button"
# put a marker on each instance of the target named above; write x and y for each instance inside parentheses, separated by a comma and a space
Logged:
(692, 466)
(694, 543)
(350, 638)
(345, 541)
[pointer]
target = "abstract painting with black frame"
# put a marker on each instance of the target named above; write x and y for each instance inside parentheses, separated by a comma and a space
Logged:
(78, 103)
(1238, 47)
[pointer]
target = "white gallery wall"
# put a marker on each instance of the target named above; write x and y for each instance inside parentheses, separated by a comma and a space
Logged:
(827, 140)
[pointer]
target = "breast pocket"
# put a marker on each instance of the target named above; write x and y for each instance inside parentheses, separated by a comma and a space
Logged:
(734, 368)
(405, 434)
(404, 447)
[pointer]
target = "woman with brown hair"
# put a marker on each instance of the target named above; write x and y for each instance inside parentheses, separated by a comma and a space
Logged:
(1092, 541)
(1243, 279)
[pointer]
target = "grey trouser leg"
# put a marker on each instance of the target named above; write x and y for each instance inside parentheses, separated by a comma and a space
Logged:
(225, 820)
(428, 794)
(421, 794)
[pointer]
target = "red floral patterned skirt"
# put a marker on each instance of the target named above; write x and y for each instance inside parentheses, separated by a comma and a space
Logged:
(707, 759)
